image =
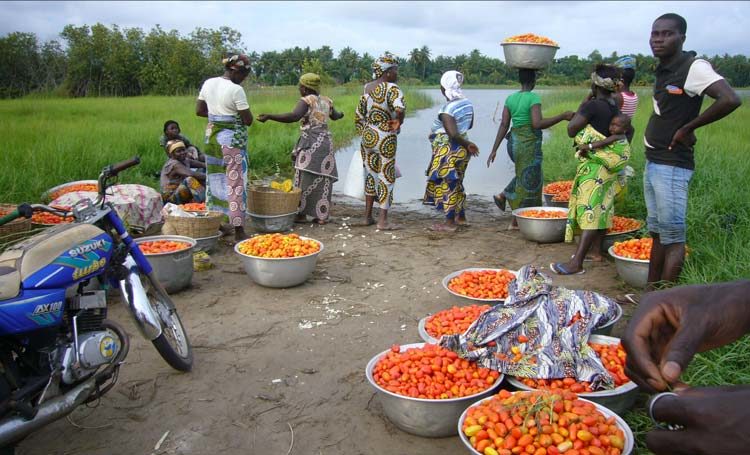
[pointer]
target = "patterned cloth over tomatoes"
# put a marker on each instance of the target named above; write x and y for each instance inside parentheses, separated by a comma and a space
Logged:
(482, 284)
(162, 246)
(560, 190)
(622, 224)
(612, 357)
(530, 38)
(544, 214)
(538, 331)
(279, 246)
(453, 320)
(541, 422)
(430, 372)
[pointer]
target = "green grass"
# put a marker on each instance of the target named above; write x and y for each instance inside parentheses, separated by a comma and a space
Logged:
(47, 142)
(718, 221)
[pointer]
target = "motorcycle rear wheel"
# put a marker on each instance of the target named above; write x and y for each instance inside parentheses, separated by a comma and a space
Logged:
(173, 344)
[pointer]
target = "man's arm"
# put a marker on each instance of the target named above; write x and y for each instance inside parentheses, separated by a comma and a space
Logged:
(726, 101)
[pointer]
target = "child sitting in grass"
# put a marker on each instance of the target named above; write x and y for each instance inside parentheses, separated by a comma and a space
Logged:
(180, 184)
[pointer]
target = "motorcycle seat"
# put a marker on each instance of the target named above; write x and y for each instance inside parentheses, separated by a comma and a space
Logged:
(28, 257)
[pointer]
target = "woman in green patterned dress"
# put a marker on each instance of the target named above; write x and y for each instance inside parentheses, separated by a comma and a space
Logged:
(224, 102)
(591, 204)
(378, 119)
(524, 109)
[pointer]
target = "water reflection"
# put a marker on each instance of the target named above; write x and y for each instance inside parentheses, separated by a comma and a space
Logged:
(414, 149)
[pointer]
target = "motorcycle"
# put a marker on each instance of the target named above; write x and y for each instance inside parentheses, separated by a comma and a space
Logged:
(58, 350)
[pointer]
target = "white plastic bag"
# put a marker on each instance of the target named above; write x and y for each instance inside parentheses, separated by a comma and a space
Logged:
(354, 186)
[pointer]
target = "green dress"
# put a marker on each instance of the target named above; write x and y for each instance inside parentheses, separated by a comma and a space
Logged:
(591, 204)
(525, 150)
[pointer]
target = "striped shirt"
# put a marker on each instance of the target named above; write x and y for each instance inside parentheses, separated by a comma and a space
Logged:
(629, 103)
(461, 110)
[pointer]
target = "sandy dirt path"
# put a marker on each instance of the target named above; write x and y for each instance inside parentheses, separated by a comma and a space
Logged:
(272, 364)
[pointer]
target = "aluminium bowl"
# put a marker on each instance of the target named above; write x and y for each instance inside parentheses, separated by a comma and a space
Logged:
(629, 437)
(421, 416)
(632, 271)
(271, 223)
(542, 230)
(618, 400)
(207, 244)
(547, 201)
(528, 55)
(279, 272)
(465, 299)
(173, 269)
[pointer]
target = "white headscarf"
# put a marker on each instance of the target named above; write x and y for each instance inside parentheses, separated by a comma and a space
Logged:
(451, 81)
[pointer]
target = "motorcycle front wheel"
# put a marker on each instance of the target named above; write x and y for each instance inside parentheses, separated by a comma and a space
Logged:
(173, 343)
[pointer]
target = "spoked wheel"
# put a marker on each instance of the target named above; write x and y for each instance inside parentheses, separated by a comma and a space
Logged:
(173, 343)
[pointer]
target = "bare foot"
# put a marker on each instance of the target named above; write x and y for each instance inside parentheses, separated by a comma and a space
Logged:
(367, 222)
(390, 227)
(442, 227)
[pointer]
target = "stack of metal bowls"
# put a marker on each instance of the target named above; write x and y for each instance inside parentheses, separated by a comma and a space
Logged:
(271, 223)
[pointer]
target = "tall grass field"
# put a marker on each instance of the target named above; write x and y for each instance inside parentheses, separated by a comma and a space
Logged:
(47, 142)
(718, 220)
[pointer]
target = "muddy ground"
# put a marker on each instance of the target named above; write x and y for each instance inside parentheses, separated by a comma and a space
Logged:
(281, 371)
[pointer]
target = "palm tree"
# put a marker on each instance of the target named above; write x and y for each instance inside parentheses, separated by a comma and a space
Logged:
(425, 54)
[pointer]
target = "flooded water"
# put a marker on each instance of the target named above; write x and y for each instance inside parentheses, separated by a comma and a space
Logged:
(414, 152)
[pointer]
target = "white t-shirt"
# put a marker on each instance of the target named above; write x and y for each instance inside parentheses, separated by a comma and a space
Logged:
(223, 97)
(700, 76)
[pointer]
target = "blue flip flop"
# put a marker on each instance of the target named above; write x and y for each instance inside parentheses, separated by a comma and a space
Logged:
(560, 270)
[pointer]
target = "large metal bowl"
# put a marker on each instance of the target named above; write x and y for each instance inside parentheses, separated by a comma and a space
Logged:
(271, 223)
(465, 299)
(528, 55)
(548, 202)
(279, 272)
(632, 271)
(619, 399)
(610, 239)
(207, 244)
(46, 197)
(420, 416)
(606, 329)
(629, 437)
(542, 230)
(174, 270)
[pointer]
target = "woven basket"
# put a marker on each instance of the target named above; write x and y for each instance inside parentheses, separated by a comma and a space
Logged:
(196, 227)
(264, 200)
(16, 226)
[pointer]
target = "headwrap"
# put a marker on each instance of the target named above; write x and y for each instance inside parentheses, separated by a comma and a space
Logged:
(237, 62)
(626, 62)
(607, 83)
(174, 145)
(310, 80)
(383, 63)
(451, 81)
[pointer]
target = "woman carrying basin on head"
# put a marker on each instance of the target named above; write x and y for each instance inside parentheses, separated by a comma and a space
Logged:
(451, 151)
(524, 110)
(314, 160)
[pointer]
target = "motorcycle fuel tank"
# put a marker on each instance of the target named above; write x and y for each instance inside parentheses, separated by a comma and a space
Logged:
(32, 310)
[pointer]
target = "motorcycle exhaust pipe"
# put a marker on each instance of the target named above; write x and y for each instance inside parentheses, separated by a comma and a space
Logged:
(140, 307)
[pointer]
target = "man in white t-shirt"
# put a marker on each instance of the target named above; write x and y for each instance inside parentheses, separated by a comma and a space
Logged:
(681, 82)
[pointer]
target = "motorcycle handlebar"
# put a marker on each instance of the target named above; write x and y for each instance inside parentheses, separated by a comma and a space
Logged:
(23, 210)
(114, 169)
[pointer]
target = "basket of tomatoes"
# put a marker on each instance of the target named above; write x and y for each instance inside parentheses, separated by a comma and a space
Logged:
(171, 257)
(529, 51)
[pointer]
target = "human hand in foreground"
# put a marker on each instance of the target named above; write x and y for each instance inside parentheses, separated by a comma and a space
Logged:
(671, 326)
(473, 149)
(491, 158)
(716, 421)
(684, 136)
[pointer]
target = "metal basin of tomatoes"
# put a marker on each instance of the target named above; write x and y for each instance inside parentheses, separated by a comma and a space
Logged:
(465, 299)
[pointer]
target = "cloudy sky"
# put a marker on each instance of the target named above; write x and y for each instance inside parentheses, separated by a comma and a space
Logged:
(448, 28)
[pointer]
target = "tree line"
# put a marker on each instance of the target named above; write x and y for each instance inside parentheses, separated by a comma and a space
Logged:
(112, 61)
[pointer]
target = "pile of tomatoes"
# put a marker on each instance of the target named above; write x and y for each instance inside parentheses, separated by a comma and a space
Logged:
(454, 320)
(544, 214)
(541, 423)
(530, 38)
(482, 284)
(162, 246)
(634, 248)
(51, 218)
(622, 224)
(431, 372)
(72, 188)
(560, 190)
(278, 246)
(194, 207)
(612, 357)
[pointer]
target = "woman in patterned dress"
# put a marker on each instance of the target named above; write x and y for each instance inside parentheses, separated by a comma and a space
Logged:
(451, 151)
(378, 119)
(224, 102)
(314, 160)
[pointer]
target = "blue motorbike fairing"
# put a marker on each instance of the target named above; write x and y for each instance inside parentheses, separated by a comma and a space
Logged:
(82, 261)
(31, 310)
